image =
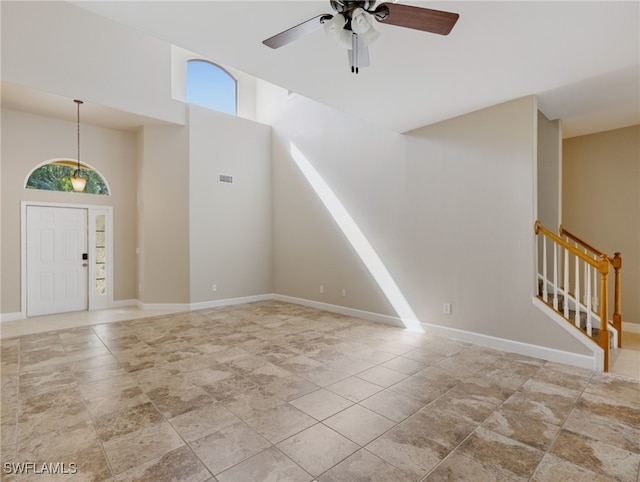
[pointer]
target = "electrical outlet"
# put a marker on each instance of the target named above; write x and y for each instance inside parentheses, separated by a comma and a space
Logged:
(446, 308)
(344, 292)
(321, 288)
(214, 287)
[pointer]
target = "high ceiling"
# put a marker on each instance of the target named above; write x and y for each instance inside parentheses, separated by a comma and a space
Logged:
(582, 59)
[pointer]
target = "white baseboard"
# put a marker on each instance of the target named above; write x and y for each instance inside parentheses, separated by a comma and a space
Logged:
(123, 303)
(203, 305)
(630, 327)
(10, 317)
(590, 362)
(342, 310)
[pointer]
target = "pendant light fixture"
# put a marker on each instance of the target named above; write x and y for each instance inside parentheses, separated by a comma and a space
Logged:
(77, 181)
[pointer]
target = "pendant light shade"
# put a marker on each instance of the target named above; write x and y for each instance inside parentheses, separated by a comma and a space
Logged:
(77, 181)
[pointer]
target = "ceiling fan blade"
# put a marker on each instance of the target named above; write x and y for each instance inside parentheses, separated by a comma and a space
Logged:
(296, 32)
(425, 19)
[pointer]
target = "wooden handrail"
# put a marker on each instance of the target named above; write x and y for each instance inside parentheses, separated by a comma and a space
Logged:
(603, 334)
(602, 264)
(616, 262)
(584, 244)
(539, 228)
(617, 295)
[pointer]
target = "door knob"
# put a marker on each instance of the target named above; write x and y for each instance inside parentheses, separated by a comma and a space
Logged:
(85, 264)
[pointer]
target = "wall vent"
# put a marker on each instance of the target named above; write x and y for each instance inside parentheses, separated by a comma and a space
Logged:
(225, 178)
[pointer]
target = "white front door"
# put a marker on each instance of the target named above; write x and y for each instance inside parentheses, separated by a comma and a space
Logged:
(56, 270)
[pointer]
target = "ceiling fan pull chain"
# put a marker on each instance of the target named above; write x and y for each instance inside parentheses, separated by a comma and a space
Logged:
(354, 47)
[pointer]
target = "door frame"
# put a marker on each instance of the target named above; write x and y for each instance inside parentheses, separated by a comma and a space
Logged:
(94, 301)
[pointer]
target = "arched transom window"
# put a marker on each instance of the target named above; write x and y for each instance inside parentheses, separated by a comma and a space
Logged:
(55, 175)
(211, 86)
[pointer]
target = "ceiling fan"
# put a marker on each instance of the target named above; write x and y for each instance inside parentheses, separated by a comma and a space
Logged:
(351, 25)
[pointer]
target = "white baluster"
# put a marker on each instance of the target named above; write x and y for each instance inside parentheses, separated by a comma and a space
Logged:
(588, 295)
(544, 269)
(586, 277)
(566, 283)
(555, 276)
(577, 282)
(595, 300)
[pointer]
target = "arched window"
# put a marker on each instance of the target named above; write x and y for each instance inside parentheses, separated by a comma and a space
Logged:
(211, 86)
(55, 175)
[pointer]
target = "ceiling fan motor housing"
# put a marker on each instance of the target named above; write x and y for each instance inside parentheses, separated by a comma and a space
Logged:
(346, 7)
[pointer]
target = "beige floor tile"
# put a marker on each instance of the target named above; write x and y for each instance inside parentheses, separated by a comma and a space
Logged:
(596, 456)
(270, 464)
(55, 445)
(359, 424)
(321, 404)
(616, 387)
(253, 402)
(126, 421)
(363, 465)
(317, 449)
(354, 388)
(116, 401)
(554, 469)
(441, 425)
(545, 402)
(382, 376)
(291, 387)
(392, 405)
(197, 423)
(404, 365)
(123, 391)
(225, 448)
(280, 422)
(461, 468)
(420, 389)
(517, 425)
(424, 356)
(132, 449)
(501, 454)
(406, 446)
(180, 464)
(473, 400)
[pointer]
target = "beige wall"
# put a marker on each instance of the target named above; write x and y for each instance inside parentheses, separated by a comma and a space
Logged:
(230, 224)
(163, 204)
(449, 209)
(62, 49)
(29, 140)
(549, 172)
(601, 201)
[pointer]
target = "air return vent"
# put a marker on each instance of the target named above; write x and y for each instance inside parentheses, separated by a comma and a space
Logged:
(225, 178)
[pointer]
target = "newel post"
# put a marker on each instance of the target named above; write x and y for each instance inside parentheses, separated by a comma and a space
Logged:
(617, 296)
(603, 334)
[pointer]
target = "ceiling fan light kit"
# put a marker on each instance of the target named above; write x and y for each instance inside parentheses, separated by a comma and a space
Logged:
(334, 29)
(352, 25)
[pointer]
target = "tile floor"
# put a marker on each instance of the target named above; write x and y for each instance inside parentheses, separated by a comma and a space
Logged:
(626, 360)
(274, 391)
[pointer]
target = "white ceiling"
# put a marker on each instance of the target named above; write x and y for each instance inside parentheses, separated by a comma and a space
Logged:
(582, 59)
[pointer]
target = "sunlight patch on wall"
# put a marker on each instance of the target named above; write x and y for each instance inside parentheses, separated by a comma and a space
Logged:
(358, 240)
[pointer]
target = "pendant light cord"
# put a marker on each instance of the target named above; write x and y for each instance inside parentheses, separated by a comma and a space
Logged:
(78, 102)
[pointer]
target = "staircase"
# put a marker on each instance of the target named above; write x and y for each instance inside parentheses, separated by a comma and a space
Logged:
(573, 280)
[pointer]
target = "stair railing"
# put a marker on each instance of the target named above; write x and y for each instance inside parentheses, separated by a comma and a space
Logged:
(616, 264)
(565, 285)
